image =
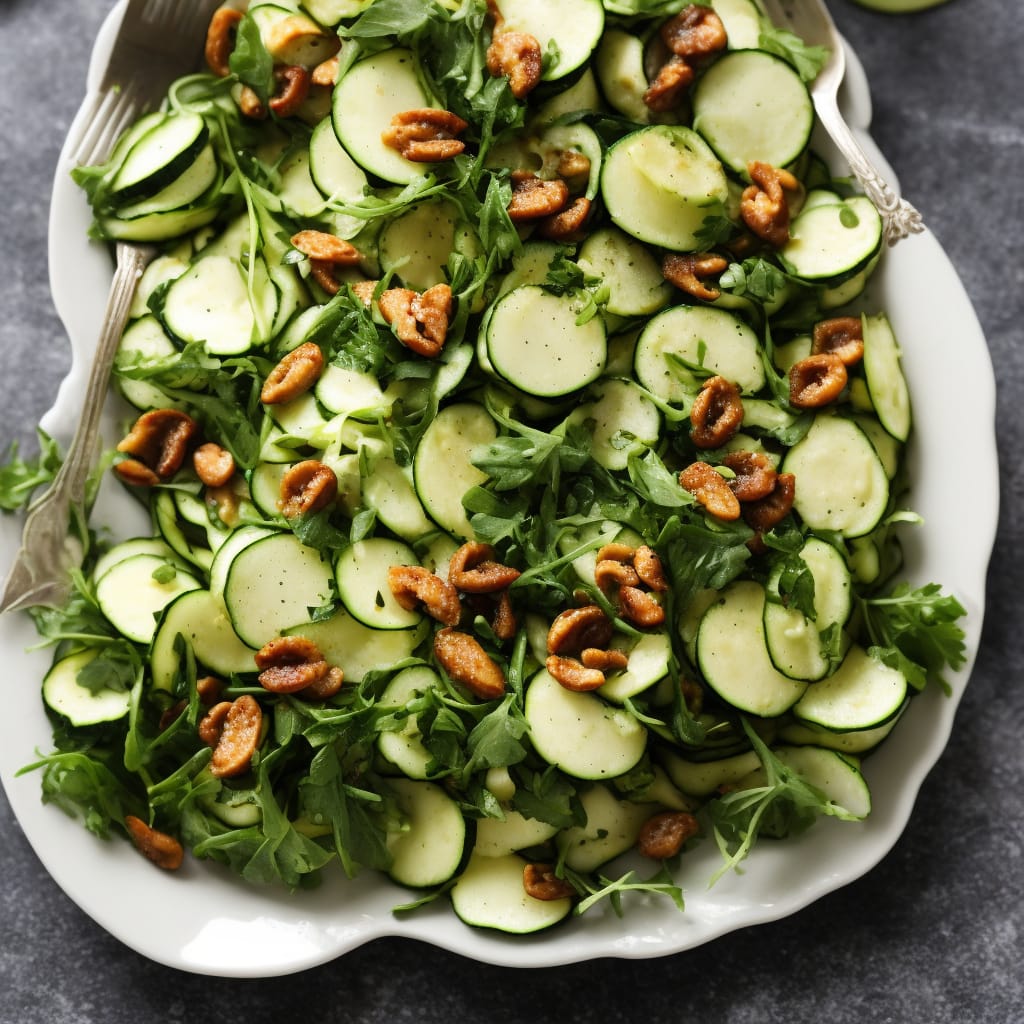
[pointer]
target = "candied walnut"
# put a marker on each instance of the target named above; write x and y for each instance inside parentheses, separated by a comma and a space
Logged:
(816, 380)
(842, 336)
(687, 272)
(466, 662)
(292, 88)
(612, 660)
(578, 628)
(420, 321)
(541, 882)
(425, 135)
(288, 664)
(640, 607)
(609, 574)
(325, 273)
(225, 503)
(321, 245)
(209, 689)
(664, 835)
(158, 441)
(325, 73)
(573, 674)
(211, 725)
(717, 413)
(769, 511)
(239, 738)
(363, 291)
(534, 198)
(220, 40)
(472, 569)
(294, 375)
(413, 586)
(517, 56)
(695, 31)
(133, 472)
(567, 225)
(503, 621)
(572, 164)
(250, 105)
(615, 552)
(711, 490)
(307, 487)
(669, 85)
(214, 465)
(649, 568)
(326, 687)
(163, 850)
(755, 475)
(763, 205)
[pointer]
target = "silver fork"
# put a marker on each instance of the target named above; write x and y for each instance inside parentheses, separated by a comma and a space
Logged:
(157, 41)
(811, 21)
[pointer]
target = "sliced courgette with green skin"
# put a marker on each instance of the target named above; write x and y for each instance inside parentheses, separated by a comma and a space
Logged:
(429, 850)
(733, 656)
(628, 270)
(193, 182)
(752, 106)
(490, 894)
(79, 704)
(201, 619)
(619, 409)
(567, 31)
(159, 157)
(659, 184)
(403, 747)
(274, 583)
(887, 385)
(535, 342)
(579, 732)
(832, 242)
(685, 336)
(361, 573)
(742, 21)
(133, 592)
(863, 693)
(497, 837)
(841, 484)
(794, 640)
(703, 778)
(612, 828)
(144, 339)
(649, 656)
(442, 468)
(799, 733)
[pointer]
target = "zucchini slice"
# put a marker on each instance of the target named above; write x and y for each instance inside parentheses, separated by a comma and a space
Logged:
(78, 704)
(429, 849)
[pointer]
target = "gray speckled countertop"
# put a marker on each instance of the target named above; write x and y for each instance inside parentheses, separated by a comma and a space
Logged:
(934, 933)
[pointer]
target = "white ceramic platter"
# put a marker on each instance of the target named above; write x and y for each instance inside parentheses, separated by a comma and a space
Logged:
(203, 920)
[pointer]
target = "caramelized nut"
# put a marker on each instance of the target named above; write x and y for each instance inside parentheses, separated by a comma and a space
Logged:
(220, 40)
(413, 586)
(664, 835)
(687, 272)
(425, 135)
(573, 674)
(842, 336)
(292, 88)
(649, 568)
(133, 472)
(769, 511)
(466, 662)
(472, 569)
(503, 621)
(612, 660)
(294, 375)
(214, 465)
(711, 490)
(609, 574)
(695, 31)
(516, 55)
(250, 105)
(325, 73)
(307, 487)
(579, 628)
(321, 245)
(325, 687)
(159, 440)
(717, 413)
(616, 553)
(816, 380)
(640, 607)
(534, 198)
(541, 882)
(289, 664)
(755, 475)
(163, 850)
(763, 205)
(669, 85)
(420, 321)
(239, 739)
(567, 225)
(211, 725)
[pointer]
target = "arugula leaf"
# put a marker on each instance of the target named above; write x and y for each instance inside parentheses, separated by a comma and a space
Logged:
(916, 631)
(547, 796)
(250, 60)
(613, 889)
(497, 739)
(754, 278)
(654, 483)
(388, 18)
(20, 477)
(806, 60)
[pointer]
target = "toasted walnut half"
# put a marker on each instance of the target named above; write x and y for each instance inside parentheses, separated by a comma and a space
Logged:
(294, 375)
(534, 197)
(307, 487)
(842, 336)
(158, 441)
(163, 850)
(716, 414)
(816, 380)
(542, 883)
(220, 40)
(663, 835)
(464, 659)
(420, 321)
(711, 490)
(763, 204)
(413, 586)
(688, 272)
(239, 738)
(425, 135)
(473, 569)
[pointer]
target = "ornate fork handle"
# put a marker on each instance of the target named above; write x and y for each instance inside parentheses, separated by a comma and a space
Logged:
(899, 217)
(39, 574)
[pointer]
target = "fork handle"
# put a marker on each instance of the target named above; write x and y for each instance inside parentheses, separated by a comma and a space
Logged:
(39, 572)
(899, 217)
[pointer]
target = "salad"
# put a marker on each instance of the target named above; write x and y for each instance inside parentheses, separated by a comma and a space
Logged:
(525, 477)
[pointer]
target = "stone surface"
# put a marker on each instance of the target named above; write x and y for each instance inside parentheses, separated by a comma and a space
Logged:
(931, 934)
